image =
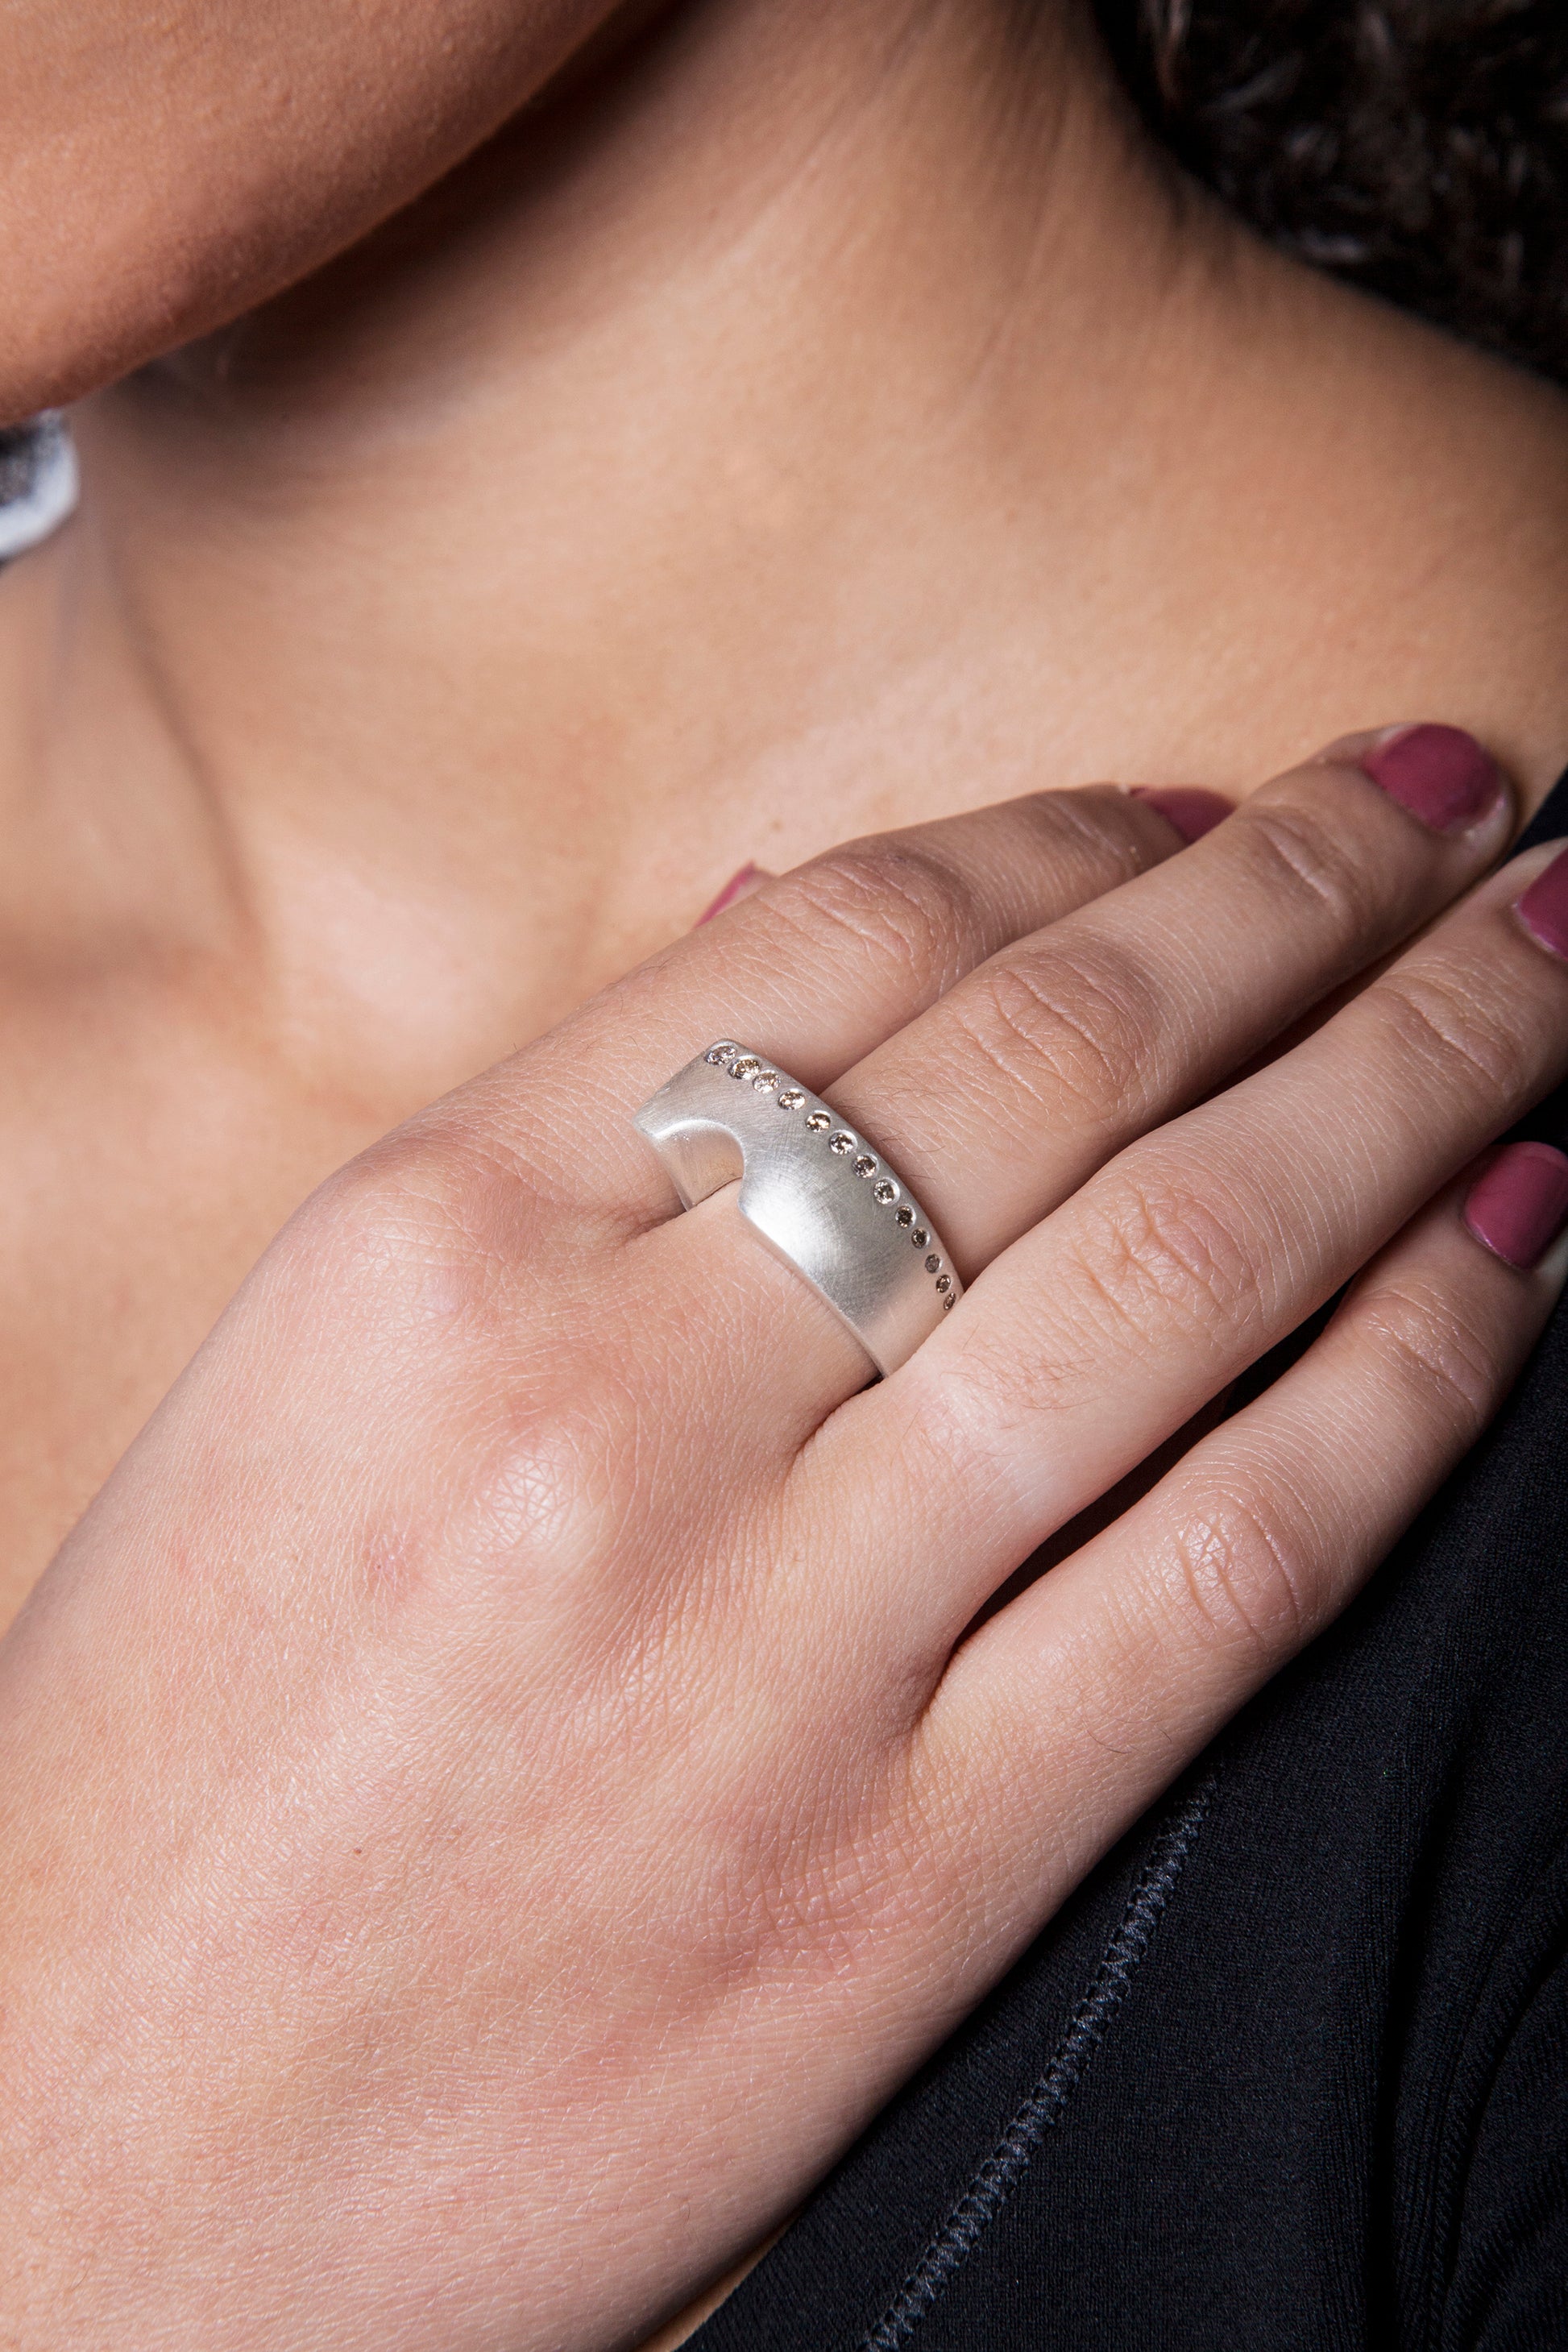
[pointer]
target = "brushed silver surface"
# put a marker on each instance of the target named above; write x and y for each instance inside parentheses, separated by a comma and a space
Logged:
(819, 1193)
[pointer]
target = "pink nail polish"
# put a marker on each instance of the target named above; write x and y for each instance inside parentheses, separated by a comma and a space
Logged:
(1544, 907)
(740, 886)
(1439, 773)
(1519, 1205)
(1193, 811)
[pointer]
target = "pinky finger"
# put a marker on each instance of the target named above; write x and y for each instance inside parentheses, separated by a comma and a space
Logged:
(1066, 1714)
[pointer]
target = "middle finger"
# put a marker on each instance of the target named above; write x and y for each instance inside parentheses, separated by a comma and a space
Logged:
(1038, 1067)
(1031, 1071)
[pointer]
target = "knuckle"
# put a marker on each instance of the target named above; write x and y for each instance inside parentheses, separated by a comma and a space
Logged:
(1096, 830)
(1236, 1567)
(1322, 873)
(897, 901)
(1444, 1025)
(1156, 1257)
(542, 1480)
(1055, 1028)
(1444, 1363)
(424, 1219)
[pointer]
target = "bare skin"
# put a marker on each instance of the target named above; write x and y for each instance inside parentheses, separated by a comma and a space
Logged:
(434, 643)
(823, 417)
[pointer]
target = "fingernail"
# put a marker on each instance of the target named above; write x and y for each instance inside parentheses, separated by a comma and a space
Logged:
(1439, 773)
(740, 886)
(1544, 907)
(1193, 811)
(1519, 1205)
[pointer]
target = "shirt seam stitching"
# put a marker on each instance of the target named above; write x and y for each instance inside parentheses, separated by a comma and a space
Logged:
(996, 2178)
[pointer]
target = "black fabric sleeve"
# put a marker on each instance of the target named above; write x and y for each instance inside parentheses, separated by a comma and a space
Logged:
(1508, 2287)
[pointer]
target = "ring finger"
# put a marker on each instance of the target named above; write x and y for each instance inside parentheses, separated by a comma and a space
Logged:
(1033, 1068)
(820, 966)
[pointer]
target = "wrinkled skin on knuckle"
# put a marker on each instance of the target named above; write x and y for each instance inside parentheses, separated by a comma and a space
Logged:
(545, 1499)
(353, 1343)
(909, 911)
(1059, 1032)
(1238, 1569)
(1451, 1026)
(1098, 829)
(1153, 1259)
(1314, 871)
(1446, 1363)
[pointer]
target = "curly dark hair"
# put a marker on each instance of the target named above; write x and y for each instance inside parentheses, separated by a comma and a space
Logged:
(1417, 147)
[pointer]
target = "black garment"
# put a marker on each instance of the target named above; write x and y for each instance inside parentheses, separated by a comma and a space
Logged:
(1291, 2069)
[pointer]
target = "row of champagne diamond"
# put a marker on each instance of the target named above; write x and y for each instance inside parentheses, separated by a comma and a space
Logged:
(751, 1069)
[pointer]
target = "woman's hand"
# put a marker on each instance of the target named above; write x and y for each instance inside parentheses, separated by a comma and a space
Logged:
(496, 1792)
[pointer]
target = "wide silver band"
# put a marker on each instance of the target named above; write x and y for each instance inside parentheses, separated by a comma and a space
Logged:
(821, 1197)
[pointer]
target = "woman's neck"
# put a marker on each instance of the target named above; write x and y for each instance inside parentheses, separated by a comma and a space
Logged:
(826, 417)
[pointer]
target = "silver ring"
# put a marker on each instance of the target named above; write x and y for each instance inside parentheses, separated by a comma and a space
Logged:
(821, 1197)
